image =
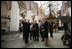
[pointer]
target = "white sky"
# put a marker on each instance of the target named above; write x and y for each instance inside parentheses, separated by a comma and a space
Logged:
(44, 5)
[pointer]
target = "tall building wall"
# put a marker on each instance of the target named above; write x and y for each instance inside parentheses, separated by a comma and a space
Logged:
(14, 25)
(5, 16)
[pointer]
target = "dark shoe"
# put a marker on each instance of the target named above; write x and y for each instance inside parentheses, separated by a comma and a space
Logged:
(23, 39)
(52, 37)
(26, 43)
(34, 40)
(46, 45)
(42, 40)
(30, 39)
(38, 40)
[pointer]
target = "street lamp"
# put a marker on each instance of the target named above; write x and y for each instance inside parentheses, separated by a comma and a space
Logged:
(51, 4)
(50, 7)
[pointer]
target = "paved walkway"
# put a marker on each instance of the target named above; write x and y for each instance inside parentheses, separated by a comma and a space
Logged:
(16, 41)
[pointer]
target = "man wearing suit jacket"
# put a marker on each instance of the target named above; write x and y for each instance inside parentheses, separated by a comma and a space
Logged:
(42, 29)
(26, 28)
(51, 28)
(35, 31)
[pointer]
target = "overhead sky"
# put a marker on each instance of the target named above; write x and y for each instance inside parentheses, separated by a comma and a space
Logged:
(45, 4)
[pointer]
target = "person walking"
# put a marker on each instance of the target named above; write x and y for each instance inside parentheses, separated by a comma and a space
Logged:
(51, 28)
(46, 33)
(42, 30)
(35, 31)
(25, 31)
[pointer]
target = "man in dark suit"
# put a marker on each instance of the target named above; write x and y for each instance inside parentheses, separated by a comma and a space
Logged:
(41, 30)
(25, 31)
(35, 31)
(29, 26)
(51, 28)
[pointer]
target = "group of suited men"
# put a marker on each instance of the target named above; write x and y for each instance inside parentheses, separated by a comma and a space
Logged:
(35, 29)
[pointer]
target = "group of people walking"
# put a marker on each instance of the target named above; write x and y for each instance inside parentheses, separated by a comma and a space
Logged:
(36, 30)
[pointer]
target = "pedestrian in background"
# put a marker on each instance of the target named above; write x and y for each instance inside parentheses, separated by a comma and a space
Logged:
(25, 31)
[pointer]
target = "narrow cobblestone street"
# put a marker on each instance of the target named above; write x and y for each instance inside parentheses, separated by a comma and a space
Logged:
(16, 41)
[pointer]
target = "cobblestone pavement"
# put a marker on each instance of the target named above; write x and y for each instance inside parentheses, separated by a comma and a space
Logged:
(16, 41)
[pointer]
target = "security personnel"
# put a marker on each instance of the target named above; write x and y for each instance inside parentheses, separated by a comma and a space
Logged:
(29, 26)
(51, 28)
(35, 31)
(42, 30)
(25, 31)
